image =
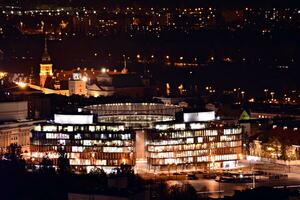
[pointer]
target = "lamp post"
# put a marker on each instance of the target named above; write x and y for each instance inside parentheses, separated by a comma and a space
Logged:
(243, 94)
(272, 95)
(266, 93)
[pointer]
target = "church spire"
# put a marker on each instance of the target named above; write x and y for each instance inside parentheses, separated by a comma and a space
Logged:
(46, 57)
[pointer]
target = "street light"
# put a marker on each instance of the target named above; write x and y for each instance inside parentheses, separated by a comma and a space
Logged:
(266, 93)
(272, 95)
(243, 94)
(22, 85)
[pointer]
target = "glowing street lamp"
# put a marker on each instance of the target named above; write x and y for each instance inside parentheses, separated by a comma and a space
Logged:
(266, 92)
(243, 94)
(84, 78)
(272, 95)
(22, 85)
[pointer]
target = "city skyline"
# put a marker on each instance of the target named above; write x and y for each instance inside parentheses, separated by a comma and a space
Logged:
(149, 99)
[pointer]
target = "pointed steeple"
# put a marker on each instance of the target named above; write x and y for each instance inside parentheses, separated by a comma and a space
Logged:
(244, 115)
(46, 57)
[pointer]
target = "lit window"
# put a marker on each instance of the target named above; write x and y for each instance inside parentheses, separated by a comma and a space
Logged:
(190, 140)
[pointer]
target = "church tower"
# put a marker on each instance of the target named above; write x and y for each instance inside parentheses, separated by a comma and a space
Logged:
(45, 66)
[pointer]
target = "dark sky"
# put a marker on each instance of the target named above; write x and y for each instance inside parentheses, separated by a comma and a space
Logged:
(158, 3)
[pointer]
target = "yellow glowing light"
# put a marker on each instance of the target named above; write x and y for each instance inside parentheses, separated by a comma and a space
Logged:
(22, 84)
(85, 79)
(103, 70)
(3, 74)
(251, 100)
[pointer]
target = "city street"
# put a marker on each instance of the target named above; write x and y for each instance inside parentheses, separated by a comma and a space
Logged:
(211, 188)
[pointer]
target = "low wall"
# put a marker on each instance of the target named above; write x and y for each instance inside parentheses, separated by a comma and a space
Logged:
(271, 160)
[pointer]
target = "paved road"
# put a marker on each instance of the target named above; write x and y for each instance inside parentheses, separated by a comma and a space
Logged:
(213, 187)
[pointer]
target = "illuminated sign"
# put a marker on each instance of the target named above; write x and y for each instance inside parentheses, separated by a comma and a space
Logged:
(199, 116)
(73, 119)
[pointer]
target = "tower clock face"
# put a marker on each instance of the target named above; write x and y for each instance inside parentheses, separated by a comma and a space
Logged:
(76, 76)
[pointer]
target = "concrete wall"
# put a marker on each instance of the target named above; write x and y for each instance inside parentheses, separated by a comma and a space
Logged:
(73, 196)
(11, 111)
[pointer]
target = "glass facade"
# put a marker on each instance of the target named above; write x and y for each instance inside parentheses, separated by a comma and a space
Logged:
(167, 145)
(134, 115)
(101, 145)
(192, 145)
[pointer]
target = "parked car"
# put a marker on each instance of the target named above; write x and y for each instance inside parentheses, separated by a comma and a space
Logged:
(191, 177)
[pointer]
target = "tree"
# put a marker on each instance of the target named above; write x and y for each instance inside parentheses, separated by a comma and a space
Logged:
(63, 162)
(46, 166)
(126, 169)
(97, 171)
(14, 152)
(246, 143)
(183, 192)
(14, 157)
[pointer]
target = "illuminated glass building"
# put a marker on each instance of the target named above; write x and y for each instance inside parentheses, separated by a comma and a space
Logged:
(197, 141)
(191, 141)
(135, 115)
(86, 143)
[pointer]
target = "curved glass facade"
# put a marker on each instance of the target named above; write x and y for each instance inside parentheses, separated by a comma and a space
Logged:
(134, 115)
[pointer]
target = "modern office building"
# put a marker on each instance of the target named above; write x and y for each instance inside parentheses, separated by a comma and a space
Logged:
(86, 142)
(133, 134)
(199, 141)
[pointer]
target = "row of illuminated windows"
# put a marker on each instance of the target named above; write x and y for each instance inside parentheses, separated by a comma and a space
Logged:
(185, 147)
(224, 157)
(87, 143)
(72, 128)
(95, 162)
(87, 162)
(78, 136)
(195, 141)
(177, 148)
(82, 149)
(105, 149)
(177, 154)
(181, 146)
(181, 126)
(186, 160)
(57, 136)
(193, 153)
(229, 137)
(184, 134)
(225, 144)
(172, 161)
(206, 132)
(166, 142)
(133, 118)
(232, 131)
(191, 140)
